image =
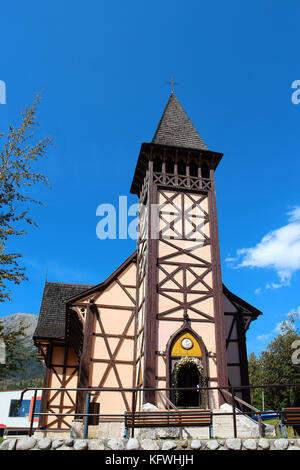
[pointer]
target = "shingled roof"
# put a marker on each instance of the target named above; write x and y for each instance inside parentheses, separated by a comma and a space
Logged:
(52, 317)
(176, 129)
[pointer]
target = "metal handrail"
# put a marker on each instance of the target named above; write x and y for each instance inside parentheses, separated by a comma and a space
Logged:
(234, 398)
(155, 389)
(227, 390)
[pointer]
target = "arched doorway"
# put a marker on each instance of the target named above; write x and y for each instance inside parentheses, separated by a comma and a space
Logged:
(187, 376)
(187, 370)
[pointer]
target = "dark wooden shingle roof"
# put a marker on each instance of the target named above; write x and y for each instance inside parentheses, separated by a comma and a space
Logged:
(52, 317)
(176, 129)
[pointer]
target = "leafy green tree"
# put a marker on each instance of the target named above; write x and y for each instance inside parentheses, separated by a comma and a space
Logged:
(275, 366)
(18, 153)
(256, 378)
(279, 367)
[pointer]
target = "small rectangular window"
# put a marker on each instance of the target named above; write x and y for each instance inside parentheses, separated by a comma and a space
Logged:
(22, 411)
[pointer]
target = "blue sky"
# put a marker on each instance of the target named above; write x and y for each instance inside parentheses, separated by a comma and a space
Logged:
(102, 67)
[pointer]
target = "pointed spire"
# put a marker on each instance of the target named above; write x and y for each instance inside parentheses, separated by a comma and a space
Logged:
(176, 129)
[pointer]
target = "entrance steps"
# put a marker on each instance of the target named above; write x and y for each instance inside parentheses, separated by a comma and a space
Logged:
(246, 426)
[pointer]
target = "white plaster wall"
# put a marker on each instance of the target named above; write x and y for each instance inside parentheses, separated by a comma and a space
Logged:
(5, 399)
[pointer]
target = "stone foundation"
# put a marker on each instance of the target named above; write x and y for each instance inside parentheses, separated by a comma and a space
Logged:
(113, 430)
(114, 444)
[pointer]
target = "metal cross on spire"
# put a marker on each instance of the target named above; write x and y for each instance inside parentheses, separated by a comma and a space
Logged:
(172, 83)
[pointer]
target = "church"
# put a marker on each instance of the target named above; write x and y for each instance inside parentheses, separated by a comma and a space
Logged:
(162, 320)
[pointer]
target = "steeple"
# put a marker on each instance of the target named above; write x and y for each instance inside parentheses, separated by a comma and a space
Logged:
(178, 257)
(176, 129)
(175, 138)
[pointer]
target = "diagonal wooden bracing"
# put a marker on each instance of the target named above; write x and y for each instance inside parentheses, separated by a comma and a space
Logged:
(60, 374)
(186, 211)
(110, 341)
(175, 272)
(182, 260)
(113, 356)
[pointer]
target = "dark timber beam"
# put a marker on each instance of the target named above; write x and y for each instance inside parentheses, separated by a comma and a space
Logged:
(85, 359)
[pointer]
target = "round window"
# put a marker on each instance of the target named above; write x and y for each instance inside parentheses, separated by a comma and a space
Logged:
(186, 343)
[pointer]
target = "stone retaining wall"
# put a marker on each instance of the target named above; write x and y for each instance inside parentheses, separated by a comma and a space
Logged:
(31, 443)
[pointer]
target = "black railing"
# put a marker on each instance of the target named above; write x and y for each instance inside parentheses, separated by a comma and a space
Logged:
(229, 392)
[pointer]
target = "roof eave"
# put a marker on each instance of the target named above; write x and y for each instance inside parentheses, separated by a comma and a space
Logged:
(146, 147)
(38, 339)
(255, 312)
(103, 284)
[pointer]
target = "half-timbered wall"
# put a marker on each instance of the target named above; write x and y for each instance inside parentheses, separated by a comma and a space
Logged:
(109, 344)
(236, 348)
(61, 372)
(232, 347)
(184, 276)
(181, 267)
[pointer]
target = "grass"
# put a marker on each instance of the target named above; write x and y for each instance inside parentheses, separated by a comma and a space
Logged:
(289, 429)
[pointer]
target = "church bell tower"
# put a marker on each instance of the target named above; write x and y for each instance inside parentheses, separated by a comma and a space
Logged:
(180, 315)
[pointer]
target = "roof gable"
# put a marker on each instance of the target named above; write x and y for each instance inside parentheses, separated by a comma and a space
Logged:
(100, 287)
(56, 296)
(52, 317)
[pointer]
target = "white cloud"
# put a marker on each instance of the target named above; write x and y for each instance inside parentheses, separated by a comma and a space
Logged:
(277, 329)
(294, 214)
(279, 250)
(264, 337)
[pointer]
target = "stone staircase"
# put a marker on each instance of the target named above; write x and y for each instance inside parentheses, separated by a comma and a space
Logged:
(246, 426)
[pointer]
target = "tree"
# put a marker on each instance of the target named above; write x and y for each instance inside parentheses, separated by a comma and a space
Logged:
(18, 153)
(275, 366)
(256, 378)
(15, 354)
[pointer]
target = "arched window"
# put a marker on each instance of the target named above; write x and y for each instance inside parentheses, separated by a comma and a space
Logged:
(170, 166)
(181, 168)
(157, 164)
(193, 169)
(205, 170)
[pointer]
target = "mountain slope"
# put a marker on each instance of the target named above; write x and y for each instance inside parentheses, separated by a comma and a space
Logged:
(33, 369)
